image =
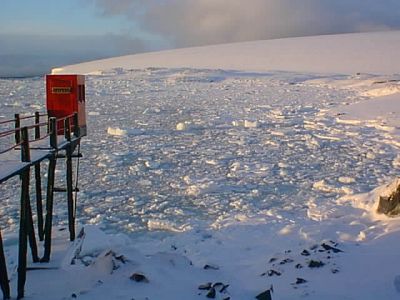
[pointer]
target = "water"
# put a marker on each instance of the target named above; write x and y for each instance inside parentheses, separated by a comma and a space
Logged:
(251, 145)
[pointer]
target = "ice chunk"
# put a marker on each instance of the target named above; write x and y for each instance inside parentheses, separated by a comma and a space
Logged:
(116, 131)
(181, 126)
(250, 124)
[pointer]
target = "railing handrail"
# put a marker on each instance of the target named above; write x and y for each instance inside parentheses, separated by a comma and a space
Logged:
(23, 118)
(11, 131)
(11, 148)
(66, 117)
(18, 130)
(51, 132)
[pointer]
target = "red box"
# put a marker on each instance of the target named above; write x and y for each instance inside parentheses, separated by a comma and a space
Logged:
(65, 96)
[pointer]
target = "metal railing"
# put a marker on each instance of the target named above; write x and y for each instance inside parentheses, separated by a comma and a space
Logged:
(21, 133)
(23, 139)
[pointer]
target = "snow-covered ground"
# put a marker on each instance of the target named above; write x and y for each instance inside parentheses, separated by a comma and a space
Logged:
(207, 175)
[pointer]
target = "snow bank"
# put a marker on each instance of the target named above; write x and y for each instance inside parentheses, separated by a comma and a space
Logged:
(375, 53)
(241, 260)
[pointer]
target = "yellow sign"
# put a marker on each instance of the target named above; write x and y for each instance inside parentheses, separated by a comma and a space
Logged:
(61, 90)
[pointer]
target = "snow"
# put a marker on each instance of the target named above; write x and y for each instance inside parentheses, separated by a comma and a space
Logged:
(375, 53)
(203, 170)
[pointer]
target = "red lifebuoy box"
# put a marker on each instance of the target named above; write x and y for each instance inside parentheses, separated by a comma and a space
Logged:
(65, 96)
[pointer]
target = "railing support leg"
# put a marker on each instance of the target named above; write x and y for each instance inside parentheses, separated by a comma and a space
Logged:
(39, 202)
(17, 125)
(4, 284)
(70, 196)
(70, 193)
(31, 233)
(23, 233)
(49, 209)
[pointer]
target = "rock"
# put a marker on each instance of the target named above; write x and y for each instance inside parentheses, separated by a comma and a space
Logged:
(224, 287)
(273, 272)
(211, 293)
(205, 286)
(139, 277)
(217, 284)
(265, 295)
(305, 253)
(397, 283)
(300, 281)
(390, 205)
(272, 260)
(121, 258)
(286, 261)
(334, 271)
(299, 266)
(330, 248)
(210, 267)
(315, 264)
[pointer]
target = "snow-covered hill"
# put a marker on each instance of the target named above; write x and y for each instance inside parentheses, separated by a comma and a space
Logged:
(376, 53)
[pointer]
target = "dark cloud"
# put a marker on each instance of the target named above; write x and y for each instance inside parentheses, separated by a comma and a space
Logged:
(199, 22)
(179, 23)
(30, 55)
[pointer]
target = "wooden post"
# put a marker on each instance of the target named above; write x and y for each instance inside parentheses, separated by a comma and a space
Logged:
(4, 284)
(49, 208)
(76, 126)
(37, 128)
(53, 132)
(25, 151)
(17, 126)
(67, 129)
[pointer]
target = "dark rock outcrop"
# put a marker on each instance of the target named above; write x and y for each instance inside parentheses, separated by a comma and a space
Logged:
(266, 295)
(139, 277)
(390, 205)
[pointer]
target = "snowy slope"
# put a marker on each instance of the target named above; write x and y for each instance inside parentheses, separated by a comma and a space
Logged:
(375, 53)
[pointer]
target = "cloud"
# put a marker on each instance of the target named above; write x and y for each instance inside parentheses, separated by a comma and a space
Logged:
(30, 55)
(199, 22)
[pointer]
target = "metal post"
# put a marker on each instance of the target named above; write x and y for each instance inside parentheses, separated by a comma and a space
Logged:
(53, 132)
(4, 284)
(23, 222)
(39, 201)
(17, 126)
(31, 233)
(38, 185)
(23, 233)
(49, 208)
(70, 195)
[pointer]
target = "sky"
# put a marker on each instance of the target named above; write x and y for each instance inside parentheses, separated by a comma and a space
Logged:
(36, 35)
